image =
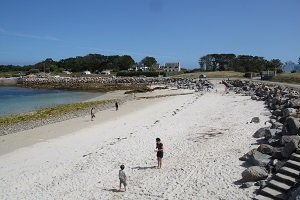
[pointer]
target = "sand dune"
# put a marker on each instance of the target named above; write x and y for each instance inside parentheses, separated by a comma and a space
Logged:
(203, 136)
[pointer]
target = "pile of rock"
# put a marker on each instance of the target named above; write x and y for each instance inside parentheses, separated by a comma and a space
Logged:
(279, 140)
(97, 82)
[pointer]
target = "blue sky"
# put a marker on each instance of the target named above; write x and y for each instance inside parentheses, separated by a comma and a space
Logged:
(169, 30)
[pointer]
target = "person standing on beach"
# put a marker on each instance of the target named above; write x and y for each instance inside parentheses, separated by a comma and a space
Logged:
(92, 113)
(117, 106)
(160, 152)
(122, 177)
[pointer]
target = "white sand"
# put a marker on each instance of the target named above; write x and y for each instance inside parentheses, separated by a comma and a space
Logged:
(202, 142)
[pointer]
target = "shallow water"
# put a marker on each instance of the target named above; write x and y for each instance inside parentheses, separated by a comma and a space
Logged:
(15, 100)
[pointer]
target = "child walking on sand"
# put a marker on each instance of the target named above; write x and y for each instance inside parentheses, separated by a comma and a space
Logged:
(160, 152)
(122, 177)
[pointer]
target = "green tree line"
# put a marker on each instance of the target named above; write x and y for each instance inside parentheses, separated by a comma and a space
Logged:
(239, 63)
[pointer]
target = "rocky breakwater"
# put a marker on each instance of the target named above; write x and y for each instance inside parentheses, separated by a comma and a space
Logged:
(275, 164)
(112, 83)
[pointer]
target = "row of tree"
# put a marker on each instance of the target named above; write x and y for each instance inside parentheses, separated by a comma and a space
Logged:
(240, 63)
(91, 62)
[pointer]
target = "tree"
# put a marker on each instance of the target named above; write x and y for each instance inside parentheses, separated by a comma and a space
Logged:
(149, 61)
(125, 62)
(275, 64)
(299, 60)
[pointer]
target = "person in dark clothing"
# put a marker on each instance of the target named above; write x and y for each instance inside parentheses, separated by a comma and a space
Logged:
(117, 106)
(92, 113)
(160, 152)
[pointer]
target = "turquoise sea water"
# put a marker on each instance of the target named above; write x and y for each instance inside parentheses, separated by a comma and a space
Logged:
(18, 100)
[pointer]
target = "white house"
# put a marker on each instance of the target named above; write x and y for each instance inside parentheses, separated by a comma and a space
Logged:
(106, 72)
(172, 67)
(86, 72)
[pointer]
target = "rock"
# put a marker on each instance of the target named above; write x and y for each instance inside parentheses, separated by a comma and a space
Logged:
(293, 126)
(276, 125)
(247, 184)
(288, 112)
(289, 148)
(295, 103)
(277, 112)
(247, 155)
(273, 142)
(260, 132)
(279, 164)
(261, 183)
(255, 120)
(259, 159)
(295, 194)
(277, 153)
(287, 138)
(265, 148)
(271, 133)
(254, 173)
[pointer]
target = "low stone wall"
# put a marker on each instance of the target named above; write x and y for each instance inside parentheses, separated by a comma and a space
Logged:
(9, 81)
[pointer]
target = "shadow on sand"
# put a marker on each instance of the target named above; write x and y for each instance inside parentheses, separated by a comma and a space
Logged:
(113, 190)
(144, 168)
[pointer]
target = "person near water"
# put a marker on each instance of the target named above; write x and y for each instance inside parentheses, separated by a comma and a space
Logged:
(122, 177)
(160, 152)
(92, 113)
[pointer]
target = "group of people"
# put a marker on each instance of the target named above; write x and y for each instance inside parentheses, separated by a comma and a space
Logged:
(160, 154)
(93, 111)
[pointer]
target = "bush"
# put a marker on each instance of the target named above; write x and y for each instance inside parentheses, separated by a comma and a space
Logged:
(140, 73)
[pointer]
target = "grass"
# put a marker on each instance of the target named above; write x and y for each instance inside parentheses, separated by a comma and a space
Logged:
(50, 112)
(287, 78)
(215, 74)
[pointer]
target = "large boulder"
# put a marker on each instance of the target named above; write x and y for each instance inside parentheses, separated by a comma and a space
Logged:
(265, 149)
(261, 132)
(259, 159)
(246, 156)
(289, 148)
(287, 138)
(254, 173)
(292, 125)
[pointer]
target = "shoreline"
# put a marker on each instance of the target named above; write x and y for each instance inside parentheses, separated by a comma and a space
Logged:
(203, 137)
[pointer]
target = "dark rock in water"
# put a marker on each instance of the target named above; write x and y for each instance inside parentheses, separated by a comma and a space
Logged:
(255, 120)
(295, 194)
(295, 103)
(265, 149)
(289, 148)
(293, 126)
(282, 120)
(247, 184)
(259, 159)
(254, 173)
(260, 132)
(277, 153)
(287, 138)
(273, 142)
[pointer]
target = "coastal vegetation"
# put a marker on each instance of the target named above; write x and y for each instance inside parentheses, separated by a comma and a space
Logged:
(50, 112)
(212, 74)
(287, 78)
(238, 63)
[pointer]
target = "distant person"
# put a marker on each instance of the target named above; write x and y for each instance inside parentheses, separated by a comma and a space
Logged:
(160, 152)
(122, 177)
(92, 114)
(117, 106)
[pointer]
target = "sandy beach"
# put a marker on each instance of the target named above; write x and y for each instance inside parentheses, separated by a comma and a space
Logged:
(203, 136)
